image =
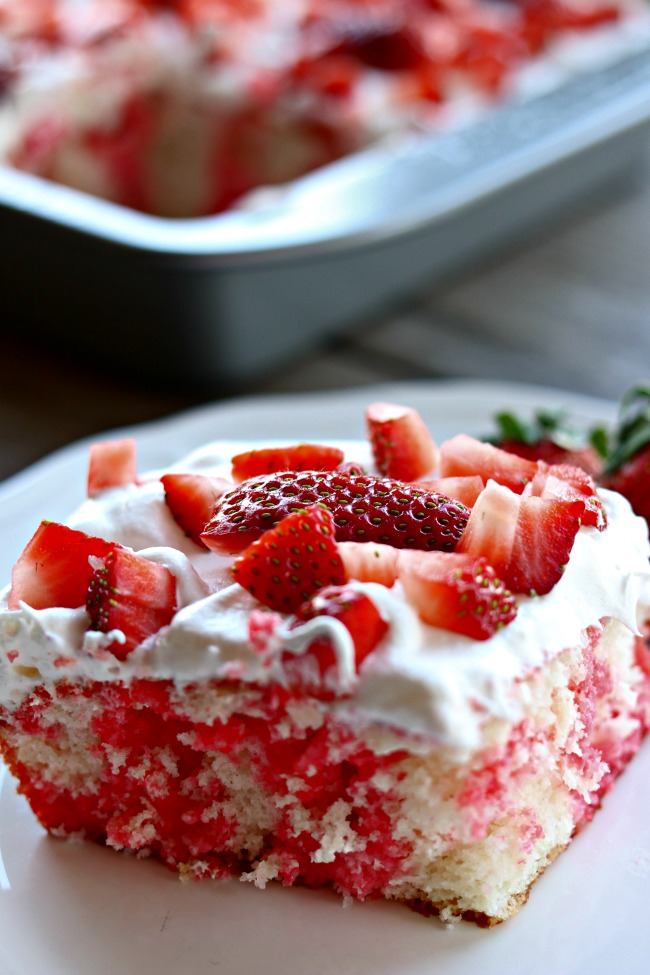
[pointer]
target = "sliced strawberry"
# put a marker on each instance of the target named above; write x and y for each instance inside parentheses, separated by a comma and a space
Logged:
(463, 455)
(292, 560)
(355, 610)
(463, 489)
(365, 508)
(130, 593)
(570, 483)
(368, 562)
(53, 569)
(191, 499)
(528, 539)
(112, 463)
(492, 525)
(316, 669)
(298, 457)
(546, 531)
(402, 446)
(457, 592)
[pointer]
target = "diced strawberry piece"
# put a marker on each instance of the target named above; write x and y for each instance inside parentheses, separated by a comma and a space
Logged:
(298, 457)
(528, 539)
(292, 560)
(402, 446)
(112, 463)
(546, 531)
(130, 593)
(570, 483)
(457, 592)
(316, 669)
(369, 562)
(463, 489)
(463, 455)
(365, 508)
(492, 525)
(355, 610)
(191, 499)
(53, 569)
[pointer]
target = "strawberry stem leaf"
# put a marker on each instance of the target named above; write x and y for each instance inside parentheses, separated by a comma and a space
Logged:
(633, 431)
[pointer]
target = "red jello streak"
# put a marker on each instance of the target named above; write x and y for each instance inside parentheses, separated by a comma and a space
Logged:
(156, 787)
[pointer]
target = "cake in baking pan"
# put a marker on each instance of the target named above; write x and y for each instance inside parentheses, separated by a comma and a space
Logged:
(183, 107)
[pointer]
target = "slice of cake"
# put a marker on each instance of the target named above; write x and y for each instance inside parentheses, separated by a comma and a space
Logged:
(396, 669)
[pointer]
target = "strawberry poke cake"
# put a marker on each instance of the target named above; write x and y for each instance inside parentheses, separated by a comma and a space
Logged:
(394, 668)
(182, 107)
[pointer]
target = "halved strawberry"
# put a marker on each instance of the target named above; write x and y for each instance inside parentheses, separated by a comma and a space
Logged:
(464, 455)
(298, 457)
(457, 592)
(53, 569)
(130, 593)
(402, 446)
(316, 669)
(365, 508)
(527, 539)
(292, 560)
(112, 463)
(191, 499)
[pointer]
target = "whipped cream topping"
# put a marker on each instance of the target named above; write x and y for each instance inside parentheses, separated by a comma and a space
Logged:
(419, 679)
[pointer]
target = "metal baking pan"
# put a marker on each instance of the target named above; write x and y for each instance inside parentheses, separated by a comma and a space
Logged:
(220, 300)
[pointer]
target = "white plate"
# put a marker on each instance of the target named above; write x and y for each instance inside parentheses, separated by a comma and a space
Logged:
(72, 909)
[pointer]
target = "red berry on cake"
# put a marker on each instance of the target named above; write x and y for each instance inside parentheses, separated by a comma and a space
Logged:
(54, 567)
(112, 463)
(354, 609)
(464, 456)
(364, 508)
(317, 668)
(370, 562)
(465, 489)
(191, 499)
(132, 594)
(401, 444)
(528, 539)
(292, 560)
(298, 457)
(457, 592)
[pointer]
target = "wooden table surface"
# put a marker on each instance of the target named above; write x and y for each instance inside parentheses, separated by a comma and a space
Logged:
(570, 309)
